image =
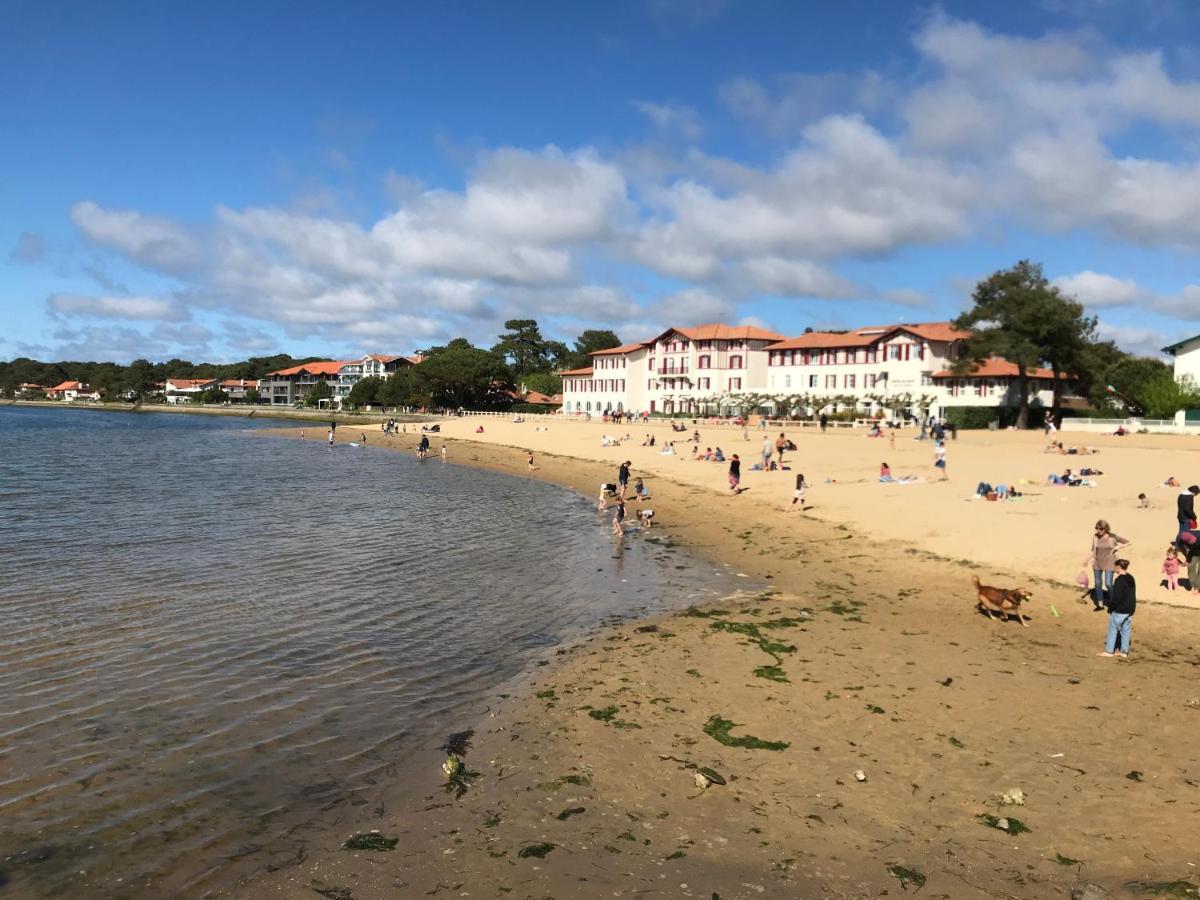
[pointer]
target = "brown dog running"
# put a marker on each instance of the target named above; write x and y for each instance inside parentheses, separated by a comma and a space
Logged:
(1006, 601)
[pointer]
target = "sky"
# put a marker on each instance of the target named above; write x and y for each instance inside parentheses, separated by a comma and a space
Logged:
(219, 180)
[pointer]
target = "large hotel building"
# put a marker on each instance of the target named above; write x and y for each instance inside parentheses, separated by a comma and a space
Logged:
(726, 369)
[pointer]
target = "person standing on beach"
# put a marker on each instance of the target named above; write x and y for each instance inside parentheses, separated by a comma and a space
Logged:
(798, 494)
(767, 449)
(735, 474)
(1103, 559)
(1185, 505)
(1121, 607)
(824, 422)
(1170, 568)
(623, 479)
(780, 445)
(531, 465)
(330, 438)
(939, 459)
(443, 452)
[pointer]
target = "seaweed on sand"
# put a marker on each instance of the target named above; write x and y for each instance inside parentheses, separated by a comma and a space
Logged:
(608, 715)
(906, 876)
(1007, 824)
(570, 811)
(538, 851)
(458, 743)
(371, 840)
(773, 648)
(718, 729)
(1178, 888)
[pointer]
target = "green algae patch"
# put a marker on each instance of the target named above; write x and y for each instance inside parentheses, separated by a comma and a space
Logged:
(906, 876)
(536, 851)
(371, 840)
(1065, 860)
(771, 673)
(608, 715)
(1006, 824)
(718, 729)
(570, 811)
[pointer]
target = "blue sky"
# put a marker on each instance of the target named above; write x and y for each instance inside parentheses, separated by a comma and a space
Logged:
(230, 179)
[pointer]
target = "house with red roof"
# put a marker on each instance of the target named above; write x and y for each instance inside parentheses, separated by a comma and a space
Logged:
(72, 391)
(185, 390)
(291, 385)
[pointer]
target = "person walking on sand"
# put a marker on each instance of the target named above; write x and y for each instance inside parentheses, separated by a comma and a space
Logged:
(798, 493)
(623, 479)
(1170, 568)
(824, 422)
(619, 517)
(781, 444)
(939, 459)
(735, 474)
(1121, 607)
(1102, 558)
(767, 449)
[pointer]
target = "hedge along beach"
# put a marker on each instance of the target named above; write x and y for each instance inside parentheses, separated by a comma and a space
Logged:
(873, 731)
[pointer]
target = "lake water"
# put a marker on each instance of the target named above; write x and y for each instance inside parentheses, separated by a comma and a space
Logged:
(214, 644)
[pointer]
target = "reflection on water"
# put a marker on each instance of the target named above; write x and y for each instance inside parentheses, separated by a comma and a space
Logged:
(213, 643)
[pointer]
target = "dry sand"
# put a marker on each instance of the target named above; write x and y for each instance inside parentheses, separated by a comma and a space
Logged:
(885, 668)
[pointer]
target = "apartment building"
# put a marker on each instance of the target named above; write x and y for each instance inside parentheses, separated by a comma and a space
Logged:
(236, 388)
(686, 370)
(891, 369)
(289, 386)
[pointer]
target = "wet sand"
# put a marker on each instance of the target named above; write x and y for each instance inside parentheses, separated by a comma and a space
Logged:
(867, 654)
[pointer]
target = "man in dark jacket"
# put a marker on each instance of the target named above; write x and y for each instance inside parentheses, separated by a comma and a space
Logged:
(1122, 603)
(1185, 505)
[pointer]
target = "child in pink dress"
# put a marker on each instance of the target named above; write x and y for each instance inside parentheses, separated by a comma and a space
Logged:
(1170, 568)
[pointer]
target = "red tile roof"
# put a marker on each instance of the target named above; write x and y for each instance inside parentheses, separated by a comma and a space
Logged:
(67, 386)
(182, 384)
(541, 399)
(239, 383)
(995, 367)
(863, 337)
(587, 370)
(624, 348)
(715, 331)
(314, 368)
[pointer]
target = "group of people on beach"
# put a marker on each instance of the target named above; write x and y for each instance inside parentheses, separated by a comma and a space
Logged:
(615, 493)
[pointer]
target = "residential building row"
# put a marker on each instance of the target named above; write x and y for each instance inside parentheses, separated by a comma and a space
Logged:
(722, 369)
(289, 386)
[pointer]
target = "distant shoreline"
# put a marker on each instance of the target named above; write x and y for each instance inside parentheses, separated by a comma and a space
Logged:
(243, 412)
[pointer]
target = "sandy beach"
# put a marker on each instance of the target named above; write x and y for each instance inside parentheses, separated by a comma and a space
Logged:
(865, 654)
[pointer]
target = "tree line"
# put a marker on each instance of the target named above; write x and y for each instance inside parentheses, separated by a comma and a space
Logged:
(456, 374)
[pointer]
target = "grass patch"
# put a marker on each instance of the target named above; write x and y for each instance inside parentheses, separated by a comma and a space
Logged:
(718, 729)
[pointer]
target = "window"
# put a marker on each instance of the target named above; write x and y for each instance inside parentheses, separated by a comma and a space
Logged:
(812, 381)
(872, 355)
(831, 382)
(805, 357)
(787, 381)
(735, 384)
(893, 352)
(926, 379)
(979, 388)
(704, 383)
(848, 381)
(704, 362)
(735, 362)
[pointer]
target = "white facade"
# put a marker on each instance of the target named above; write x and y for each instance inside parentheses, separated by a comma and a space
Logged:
(895, 370)
(687, 370)
(1187, 358)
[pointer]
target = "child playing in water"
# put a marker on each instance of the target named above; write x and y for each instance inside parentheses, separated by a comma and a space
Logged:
(640, 493)
(619, 517)
(1170, 568)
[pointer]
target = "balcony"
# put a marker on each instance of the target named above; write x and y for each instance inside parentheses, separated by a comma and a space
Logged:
(669, 373)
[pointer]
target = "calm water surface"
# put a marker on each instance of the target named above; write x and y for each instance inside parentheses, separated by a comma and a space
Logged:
(214, 644)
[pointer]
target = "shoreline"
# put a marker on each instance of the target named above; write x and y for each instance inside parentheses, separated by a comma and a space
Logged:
(973, 709)
(238, 412)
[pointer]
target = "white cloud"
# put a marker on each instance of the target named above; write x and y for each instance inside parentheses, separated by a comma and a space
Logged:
(149, 240)
(144, 308)
(672, 119)
(691, 306)
(1139, 341)
(1096, 289)
(794, 278)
